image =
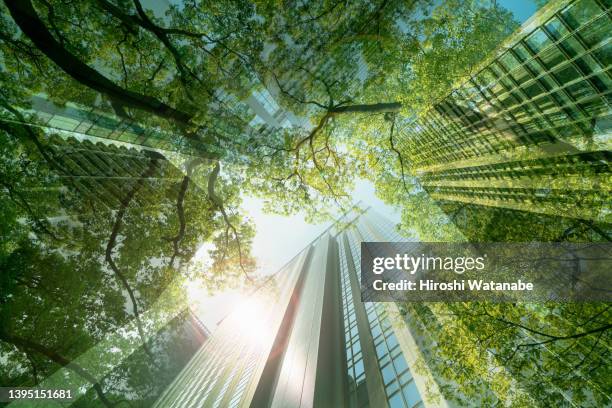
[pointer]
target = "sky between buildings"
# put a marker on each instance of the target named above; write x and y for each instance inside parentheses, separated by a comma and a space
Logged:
(279, 238)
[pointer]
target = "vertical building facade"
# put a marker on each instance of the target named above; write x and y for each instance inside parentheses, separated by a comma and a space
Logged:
(305, 338)
(531, 131)
(86, 201)
(100, 125)
(90, 122)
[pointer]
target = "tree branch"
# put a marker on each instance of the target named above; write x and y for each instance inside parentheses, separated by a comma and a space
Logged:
(17, 198)
(181, 216)
(382, 107)
(146, 23)
(219, 204)
(32, 26)
(26, 346)
(399, 154)
(113, 241)
(26, 132)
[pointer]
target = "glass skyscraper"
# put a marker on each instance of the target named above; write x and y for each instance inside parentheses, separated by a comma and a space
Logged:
(305, 338)
(531, 130)
(529, 133)
(518, 151)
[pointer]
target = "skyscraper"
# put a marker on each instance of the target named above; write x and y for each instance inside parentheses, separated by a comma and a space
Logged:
(99, 124)
(530, 131)
(305, 338)
(83, 201)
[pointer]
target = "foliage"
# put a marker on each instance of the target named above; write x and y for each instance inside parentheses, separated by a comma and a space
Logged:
(83, 256)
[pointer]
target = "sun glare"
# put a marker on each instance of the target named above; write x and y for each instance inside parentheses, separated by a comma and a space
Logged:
(250, 319)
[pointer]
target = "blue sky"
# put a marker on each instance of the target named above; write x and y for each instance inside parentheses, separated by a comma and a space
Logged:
(522, 9)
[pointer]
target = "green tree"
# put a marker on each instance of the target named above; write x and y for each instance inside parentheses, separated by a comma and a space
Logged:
(87, 249)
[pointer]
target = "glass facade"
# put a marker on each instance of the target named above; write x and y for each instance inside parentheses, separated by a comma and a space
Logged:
(78, 120)
(269, 104)
(547, 87)
(100, 172)
(94, 204)
(400, 387)
(531, 130)
(231, 368)
(209, 377)
(225, 370)
(354, 356)
(82, 121)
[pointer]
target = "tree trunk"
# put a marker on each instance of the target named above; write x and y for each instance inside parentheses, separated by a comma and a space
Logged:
(368, 108)
(33, 27)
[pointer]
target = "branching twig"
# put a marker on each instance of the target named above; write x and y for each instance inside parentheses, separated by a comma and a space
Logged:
(181, 210)
(218, 202)
(112, 241)
(398, 153)
(181, 216)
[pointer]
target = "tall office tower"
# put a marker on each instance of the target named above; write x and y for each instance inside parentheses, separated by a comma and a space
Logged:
(305, 338)
(75, 213)
(98, 124)
(105, 173)
(530, 132)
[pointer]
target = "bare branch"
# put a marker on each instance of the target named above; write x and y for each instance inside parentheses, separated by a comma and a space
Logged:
(382, 107)
(112, 241)
(399, 154)
(212, 179)
(295, 98)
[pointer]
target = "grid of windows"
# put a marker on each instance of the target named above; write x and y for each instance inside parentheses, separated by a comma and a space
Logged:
(533, 169)
(204, 379)
(225, 386)
(96, 123)
(553, 84)
(223, 369)
(243, 382)
(266, 100)
(397, 378)
(103, 172)
(81, 120)
(354, 355)
(400, 389)
(221, 392)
